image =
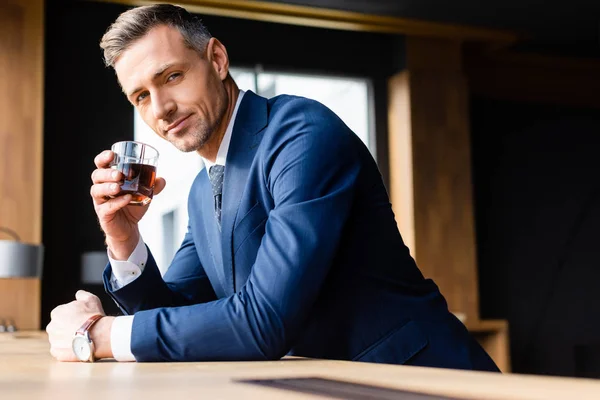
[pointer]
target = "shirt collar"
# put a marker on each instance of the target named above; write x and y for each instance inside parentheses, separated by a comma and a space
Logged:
(224, 146)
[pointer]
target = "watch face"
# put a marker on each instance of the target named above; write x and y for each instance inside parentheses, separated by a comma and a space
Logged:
(82, 348)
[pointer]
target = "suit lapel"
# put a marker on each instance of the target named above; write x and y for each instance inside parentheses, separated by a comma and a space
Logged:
(212, 234)
(251, 118)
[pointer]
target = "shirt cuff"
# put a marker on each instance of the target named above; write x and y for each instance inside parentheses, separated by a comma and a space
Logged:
(125, 272)
(120, 338)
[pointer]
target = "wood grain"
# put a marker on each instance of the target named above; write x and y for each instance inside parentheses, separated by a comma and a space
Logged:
(20, 302)
(21, 117)
(28, 371)
(430, 180)
(21, 143)
(430, 146)
(401, 156)
(493, 336)
(336, 19)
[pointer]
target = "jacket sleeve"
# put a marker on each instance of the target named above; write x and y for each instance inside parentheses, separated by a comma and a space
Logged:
(184, 283)
(310, 169)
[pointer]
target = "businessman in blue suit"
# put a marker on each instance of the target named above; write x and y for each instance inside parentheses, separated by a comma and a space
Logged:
(292, 247)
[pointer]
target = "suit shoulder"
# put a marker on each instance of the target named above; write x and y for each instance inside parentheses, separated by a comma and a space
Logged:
(295, 118)
(286, 106)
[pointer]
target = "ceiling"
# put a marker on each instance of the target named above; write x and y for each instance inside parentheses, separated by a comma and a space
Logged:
(565, 27)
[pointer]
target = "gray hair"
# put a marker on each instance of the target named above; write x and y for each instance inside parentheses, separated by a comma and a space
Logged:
(137, 22)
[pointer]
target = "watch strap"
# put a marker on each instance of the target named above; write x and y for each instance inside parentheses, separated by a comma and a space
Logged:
(88, 324)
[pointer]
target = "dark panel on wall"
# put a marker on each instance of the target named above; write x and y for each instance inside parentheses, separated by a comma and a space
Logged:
(553, 27)
(86, 112)
(291, 47)
(537, 198)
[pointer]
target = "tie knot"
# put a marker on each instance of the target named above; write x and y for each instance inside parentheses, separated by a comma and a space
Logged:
(216, 178)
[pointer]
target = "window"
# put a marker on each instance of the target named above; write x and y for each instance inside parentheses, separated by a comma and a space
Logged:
(349, 98)
(165, 224)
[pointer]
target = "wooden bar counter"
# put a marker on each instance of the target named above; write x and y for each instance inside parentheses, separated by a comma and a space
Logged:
(28, 371)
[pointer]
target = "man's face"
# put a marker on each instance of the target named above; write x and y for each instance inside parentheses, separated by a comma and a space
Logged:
(178, 93)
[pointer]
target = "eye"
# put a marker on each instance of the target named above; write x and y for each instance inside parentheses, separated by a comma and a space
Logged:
(141, 97)
(173, 76)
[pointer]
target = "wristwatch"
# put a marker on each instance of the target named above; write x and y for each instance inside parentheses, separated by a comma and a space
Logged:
(83, 347)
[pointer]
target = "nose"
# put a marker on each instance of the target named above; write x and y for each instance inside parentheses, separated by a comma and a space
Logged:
(162, 106)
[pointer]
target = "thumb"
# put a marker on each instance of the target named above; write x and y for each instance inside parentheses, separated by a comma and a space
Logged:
(82, 295)
(159, 185)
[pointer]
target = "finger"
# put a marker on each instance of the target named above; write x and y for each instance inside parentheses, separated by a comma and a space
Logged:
(106, 175)
(103, 159)
(65, 342)
(53, 352)
(102, 191)
(55, 311)
(109, 207)
(59, 333)
(63, 354)
(82, 295)
(159, 185)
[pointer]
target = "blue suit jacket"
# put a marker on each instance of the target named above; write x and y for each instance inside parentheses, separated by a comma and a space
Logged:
(309, 260)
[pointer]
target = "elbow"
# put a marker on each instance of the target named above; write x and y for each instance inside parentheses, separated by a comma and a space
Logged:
(271, 345)
(274, 353)
(266, 330)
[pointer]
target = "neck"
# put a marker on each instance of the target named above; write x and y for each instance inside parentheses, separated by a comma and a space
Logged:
(210, 150)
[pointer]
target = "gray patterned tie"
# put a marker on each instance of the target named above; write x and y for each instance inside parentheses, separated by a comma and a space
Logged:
(216, 180)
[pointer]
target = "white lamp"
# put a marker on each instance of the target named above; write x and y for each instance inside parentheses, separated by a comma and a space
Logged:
(20, 260)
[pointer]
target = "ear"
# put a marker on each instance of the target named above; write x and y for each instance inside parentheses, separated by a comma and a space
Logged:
(217, 56)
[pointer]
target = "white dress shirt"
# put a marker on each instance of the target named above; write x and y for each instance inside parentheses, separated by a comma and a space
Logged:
(125, 272)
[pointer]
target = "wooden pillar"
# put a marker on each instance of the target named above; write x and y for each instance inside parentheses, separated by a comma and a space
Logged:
(430, 168)
(21, 145)
(430, 179)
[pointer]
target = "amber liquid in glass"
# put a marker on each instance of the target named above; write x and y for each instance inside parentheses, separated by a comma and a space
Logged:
(139, 182)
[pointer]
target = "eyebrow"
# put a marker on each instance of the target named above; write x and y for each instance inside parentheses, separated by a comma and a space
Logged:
(157, 74)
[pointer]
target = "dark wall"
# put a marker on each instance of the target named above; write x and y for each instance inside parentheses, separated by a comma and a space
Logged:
(537, 202)
(85, 113)
(568, 28)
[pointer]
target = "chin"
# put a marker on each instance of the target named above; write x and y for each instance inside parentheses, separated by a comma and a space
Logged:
(185, 147)
(187, 144)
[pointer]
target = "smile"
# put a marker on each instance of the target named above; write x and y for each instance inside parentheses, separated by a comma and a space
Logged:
(178, 125)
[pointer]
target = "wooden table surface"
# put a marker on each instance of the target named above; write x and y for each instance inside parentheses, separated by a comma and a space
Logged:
(28, 371)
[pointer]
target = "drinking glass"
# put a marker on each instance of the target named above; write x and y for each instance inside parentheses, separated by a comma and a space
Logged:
(137, 162)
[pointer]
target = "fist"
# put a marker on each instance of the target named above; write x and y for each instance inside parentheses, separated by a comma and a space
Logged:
(66, 319)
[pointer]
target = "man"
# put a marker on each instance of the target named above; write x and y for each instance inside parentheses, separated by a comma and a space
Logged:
(292, 246)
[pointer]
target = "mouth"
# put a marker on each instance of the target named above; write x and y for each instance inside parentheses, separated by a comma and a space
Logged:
(177, 126)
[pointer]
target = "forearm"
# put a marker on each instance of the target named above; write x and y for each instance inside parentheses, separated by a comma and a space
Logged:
(121, 248)
(146, 292)
(100, 335)
(237, 328)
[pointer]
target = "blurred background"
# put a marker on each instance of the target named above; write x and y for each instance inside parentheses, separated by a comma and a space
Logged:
(482, 116)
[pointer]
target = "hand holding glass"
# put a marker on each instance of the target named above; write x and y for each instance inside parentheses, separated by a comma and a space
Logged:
(137, 162)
